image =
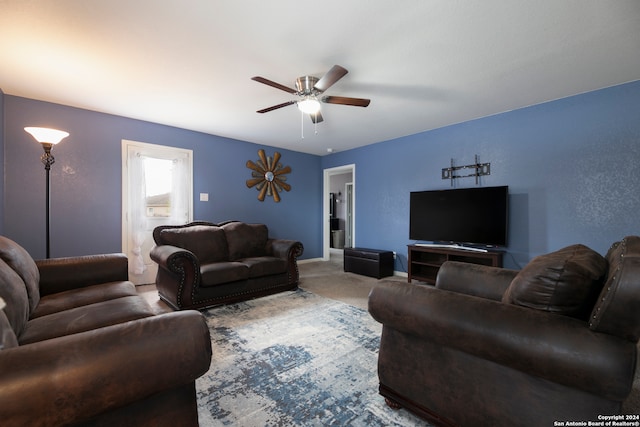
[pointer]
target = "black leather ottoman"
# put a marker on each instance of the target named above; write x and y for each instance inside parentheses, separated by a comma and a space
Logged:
(369, 262)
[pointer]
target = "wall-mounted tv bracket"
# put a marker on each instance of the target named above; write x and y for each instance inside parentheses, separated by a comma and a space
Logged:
(479, 169)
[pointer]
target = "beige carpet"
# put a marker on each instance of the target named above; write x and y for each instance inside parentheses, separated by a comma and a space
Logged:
(329, 280)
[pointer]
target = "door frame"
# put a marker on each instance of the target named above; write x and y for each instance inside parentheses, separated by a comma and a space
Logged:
(326, 226)
(349, 226)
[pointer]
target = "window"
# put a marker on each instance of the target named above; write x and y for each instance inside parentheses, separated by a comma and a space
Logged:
(156, 190)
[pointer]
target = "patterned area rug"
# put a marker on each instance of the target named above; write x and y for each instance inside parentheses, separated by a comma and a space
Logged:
(294, 359)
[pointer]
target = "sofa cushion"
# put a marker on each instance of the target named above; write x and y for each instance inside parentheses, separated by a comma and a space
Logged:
(208, 243)
(21, 262)
(564, 282)
(616, 311)
(86, 318)
(265, 266)
(223, 272)
(246, 240)
(66, 300)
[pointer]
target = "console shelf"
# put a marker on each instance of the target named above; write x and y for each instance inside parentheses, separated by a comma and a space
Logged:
(425, 261)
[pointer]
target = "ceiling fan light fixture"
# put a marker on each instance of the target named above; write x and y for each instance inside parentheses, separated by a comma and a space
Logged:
(309, 105)
(308, 88)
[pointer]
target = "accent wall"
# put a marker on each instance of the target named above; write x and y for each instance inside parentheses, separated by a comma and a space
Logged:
(572, 167)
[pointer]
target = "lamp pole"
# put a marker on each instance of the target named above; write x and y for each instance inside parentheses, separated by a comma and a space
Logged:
(47, 138)
(47, 160)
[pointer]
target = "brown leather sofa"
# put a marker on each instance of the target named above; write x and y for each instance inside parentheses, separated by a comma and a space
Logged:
(556, 341)
(202, 264)
(79, 346)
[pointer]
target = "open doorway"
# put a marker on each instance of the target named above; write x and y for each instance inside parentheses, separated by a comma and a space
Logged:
(338, 209)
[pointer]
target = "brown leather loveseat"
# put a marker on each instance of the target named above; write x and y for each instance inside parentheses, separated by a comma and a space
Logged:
(79, 346)
(555, 341)
(202, 264)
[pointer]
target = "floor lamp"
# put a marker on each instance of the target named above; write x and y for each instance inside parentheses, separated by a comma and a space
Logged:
(48, 138)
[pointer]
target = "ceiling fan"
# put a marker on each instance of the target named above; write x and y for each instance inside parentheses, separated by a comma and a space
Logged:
(309, 88)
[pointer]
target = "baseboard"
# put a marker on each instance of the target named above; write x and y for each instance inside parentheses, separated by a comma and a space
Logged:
(306, 261)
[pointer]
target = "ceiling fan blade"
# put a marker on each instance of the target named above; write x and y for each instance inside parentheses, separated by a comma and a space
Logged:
(275, 107)
(357, 102)
(273, 84)
(333, 75)
(316, 118)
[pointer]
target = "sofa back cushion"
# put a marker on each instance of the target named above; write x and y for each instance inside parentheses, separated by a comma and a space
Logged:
(565, 282)
(208, 243)
(616, 311)
(246, 240)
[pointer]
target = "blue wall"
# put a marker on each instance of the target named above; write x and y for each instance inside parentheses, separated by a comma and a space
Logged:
(572, 166)
(86, 181)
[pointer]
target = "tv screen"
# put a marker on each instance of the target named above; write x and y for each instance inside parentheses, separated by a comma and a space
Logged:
(476, 216)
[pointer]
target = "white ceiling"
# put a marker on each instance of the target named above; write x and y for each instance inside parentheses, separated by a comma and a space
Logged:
(423, 63)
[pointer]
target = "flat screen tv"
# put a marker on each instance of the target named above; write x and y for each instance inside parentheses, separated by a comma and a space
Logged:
(472, 216)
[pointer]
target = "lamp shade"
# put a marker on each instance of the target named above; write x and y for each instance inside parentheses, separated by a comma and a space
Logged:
(309, 105)
(47, 135)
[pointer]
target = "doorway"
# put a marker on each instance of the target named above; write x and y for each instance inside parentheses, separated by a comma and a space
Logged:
(157, 188)
(339, 177)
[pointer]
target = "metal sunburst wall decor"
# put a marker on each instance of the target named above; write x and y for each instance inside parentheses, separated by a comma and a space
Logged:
(268, 176)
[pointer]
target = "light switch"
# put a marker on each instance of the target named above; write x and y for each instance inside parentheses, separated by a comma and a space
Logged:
(204, 197)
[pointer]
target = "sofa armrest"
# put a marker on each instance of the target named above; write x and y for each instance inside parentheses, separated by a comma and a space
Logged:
(288, 250)
(558, 348)
(285, 249)
(165, 256)
(76, 377)
(62, 274)
(474, 279)
(178, 278)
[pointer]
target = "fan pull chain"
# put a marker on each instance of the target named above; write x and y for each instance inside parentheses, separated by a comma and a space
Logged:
(315, 125)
